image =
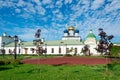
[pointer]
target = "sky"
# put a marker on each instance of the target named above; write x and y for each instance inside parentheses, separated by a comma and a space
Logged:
(24, 17)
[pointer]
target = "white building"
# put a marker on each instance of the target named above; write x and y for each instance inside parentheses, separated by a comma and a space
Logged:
(71, 43)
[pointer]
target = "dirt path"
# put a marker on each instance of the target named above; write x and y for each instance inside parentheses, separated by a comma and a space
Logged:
(68, 60)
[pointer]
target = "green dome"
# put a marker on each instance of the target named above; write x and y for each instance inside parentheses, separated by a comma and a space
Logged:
(91, 35)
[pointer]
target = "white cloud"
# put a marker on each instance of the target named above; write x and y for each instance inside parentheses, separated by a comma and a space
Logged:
(67, 1)
(37, 2)
(59, 15)
(115, 5)
(40, 10)
(17, 10)
(86, 2)
(46, 2)
(97, 4)
(59, 4)
(21, 3)
(6, 4)
(55, 11)
(26, 33)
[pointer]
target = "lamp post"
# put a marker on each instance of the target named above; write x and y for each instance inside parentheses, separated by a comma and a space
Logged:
(15, 50)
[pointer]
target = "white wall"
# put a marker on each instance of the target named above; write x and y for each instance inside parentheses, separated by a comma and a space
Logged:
(56, 49)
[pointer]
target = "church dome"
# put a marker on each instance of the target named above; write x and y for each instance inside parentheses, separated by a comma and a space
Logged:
(76, 31)
(66, 31)
(71, 28)
(91, 35)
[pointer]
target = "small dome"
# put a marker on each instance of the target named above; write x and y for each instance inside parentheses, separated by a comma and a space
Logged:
(76, 31)
(66, 31)
(71, 28)
(91, 35)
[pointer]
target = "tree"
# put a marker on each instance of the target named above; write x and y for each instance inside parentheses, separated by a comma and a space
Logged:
(38, 42)
(86, 50)
(105, 44)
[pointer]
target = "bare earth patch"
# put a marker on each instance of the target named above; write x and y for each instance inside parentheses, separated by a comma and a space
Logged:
(68, 61)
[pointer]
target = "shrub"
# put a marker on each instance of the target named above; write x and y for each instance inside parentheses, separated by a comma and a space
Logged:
(115, 51)
(9, 61)
(4, 62)
(15, 62)
(68, 55)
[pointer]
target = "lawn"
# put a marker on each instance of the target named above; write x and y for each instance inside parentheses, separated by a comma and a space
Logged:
(63, 72)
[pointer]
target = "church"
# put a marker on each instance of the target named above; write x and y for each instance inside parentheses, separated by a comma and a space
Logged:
(71, 43)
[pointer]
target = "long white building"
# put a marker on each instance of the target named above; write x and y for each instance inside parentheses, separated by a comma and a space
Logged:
(71, 43)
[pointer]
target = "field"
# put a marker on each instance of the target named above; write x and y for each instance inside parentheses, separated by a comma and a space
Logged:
(63, 72)
(17, 71)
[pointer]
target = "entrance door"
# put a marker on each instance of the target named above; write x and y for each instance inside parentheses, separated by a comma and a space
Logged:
(26, 50)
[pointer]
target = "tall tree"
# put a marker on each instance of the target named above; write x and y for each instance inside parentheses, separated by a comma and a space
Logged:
(105, 44)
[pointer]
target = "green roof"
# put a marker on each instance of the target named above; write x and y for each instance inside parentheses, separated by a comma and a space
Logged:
(24, 44)
(63, 42)
(91, 35)
(50, 43)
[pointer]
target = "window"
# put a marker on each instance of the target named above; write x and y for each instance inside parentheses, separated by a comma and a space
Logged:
(52, 50)
(75, 50)
(19, 50)
(10, 51)
(32, 49)
(59, 50)
(67, 50)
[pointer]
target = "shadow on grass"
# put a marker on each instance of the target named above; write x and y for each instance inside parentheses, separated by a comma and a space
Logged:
(4, 68)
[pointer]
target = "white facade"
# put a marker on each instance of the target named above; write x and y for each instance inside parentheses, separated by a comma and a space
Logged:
(71, 38)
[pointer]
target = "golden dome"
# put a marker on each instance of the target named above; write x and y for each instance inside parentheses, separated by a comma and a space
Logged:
(71, 28)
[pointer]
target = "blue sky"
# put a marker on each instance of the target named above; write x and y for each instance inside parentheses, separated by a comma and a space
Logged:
(24, 17)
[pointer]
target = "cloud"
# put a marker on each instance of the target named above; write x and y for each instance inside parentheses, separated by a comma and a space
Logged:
(51, 16)
(97, 4)
(67, 1)
(47, 2)
(40, 10)
(37, 2)
(17, 10)
(59, 4)
(6, 4)
(113, 6)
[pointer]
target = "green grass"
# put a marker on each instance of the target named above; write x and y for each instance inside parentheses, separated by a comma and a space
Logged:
(7, 56)
(115, 51)
(63, 72)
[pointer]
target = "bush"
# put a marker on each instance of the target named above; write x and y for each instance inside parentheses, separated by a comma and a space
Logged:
(115, 51)
(68, 55)
(4, 62)
(9, 61)
(15, 62)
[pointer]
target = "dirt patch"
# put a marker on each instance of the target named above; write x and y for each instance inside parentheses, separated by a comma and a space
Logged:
(68, 61)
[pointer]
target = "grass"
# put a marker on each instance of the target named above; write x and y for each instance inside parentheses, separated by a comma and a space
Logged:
(64, 72)
(115, 51)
